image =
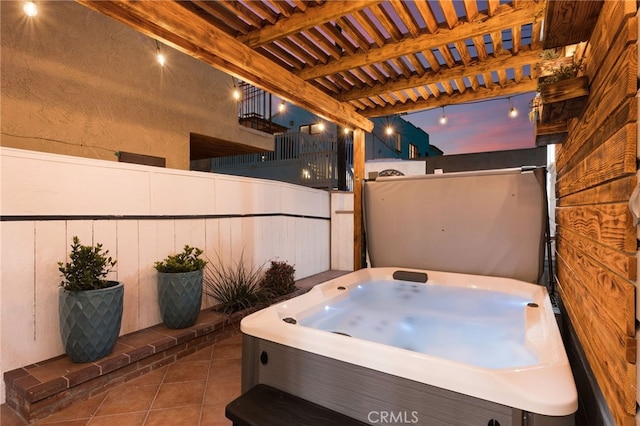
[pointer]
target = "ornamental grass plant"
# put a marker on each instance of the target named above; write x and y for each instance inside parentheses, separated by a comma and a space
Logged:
(235, 287)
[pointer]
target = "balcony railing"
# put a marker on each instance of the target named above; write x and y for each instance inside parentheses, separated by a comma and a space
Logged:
(316, 156)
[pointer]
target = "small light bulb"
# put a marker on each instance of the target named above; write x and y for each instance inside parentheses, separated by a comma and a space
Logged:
(30, 8)
(346, 131)
(281, 107)
(321, 126)
(160, 57)
(236, 94)
(389, 130)
(513, 112)
(443, 118)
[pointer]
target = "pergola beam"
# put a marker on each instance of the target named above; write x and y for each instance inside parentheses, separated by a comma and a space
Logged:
(504, 61)
(511, 89)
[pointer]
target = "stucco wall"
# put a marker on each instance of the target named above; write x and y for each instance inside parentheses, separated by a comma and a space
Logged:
(79, 83)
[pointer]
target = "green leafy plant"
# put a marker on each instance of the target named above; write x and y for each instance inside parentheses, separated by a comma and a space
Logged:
(563, 72)
(87, 269)
(549, 54)
(279, 279)
(187, 261)
(235, 287)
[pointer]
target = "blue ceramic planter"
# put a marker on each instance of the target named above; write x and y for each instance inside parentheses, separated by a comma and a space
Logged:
(180, 297)
(90, 321)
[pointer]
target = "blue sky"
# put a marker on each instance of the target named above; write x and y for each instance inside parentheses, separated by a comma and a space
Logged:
(479, 127)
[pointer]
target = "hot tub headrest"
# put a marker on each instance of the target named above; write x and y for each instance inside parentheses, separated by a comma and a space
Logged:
(487, 222)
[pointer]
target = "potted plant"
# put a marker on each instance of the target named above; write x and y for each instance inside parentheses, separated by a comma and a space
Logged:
(90, 306)
(561, 92)
(180, 287)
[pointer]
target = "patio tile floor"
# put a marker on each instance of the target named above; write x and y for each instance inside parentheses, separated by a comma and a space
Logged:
(191, 391)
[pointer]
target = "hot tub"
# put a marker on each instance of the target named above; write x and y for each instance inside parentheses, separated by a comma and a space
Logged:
(409, 346)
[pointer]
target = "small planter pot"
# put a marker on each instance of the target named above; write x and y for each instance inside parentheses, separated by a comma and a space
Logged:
(564, 99)
(180, 297)
(90, 321)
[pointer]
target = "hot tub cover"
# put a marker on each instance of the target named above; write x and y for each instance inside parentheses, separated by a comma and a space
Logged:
(489, 222)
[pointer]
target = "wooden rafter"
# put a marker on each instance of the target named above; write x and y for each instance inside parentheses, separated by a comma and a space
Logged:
(456, 98)
(471, 9)
(299, 22)
(242, 11)
(505, 18)
(503, 61)
(403, 12)
(224, 15)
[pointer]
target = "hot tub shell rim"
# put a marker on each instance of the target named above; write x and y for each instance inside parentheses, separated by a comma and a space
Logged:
(554, 389)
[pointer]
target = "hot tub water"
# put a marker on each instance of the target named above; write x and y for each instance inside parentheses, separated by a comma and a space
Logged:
(463, 324)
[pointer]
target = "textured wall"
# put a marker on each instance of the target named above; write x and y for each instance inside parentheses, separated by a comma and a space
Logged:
(79, 83)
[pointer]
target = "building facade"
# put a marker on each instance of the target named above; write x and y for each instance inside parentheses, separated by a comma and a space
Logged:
(317, 153)
(79, 83)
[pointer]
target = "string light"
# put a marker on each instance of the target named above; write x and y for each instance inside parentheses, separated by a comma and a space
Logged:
(389, 130)
(513, 112)
(236, 91)
(159, 56)
(443, 118)
(321, 126)
(472, 103)
(282, 106)
(346, 130)
(30, 8)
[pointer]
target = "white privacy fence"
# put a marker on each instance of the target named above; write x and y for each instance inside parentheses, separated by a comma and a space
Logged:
(140, 214)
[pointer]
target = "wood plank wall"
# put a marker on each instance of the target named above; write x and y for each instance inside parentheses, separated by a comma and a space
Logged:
(596, 236)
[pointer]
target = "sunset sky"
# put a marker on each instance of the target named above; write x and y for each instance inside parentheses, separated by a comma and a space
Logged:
(479, 127)
(475, 127)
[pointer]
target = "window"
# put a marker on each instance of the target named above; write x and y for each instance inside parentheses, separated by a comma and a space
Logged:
(312, 129)
(398, 142)
(413, 151)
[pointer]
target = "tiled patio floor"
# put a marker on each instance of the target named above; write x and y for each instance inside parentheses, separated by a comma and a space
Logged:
(192, 391)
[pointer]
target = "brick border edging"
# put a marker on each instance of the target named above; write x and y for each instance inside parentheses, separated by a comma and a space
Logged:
(35, 400)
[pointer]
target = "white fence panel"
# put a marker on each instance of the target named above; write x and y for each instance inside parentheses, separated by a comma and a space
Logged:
(140, 214)
(47, 278)
(342, 231)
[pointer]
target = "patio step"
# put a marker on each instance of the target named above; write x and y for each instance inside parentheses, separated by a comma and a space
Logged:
(39, 390)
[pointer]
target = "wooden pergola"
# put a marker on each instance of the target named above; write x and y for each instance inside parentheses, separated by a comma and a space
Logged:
(346, 61)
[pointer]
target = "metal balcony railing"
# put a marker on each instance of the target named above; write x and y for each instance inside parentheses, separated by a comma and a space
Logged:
(315, 154)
